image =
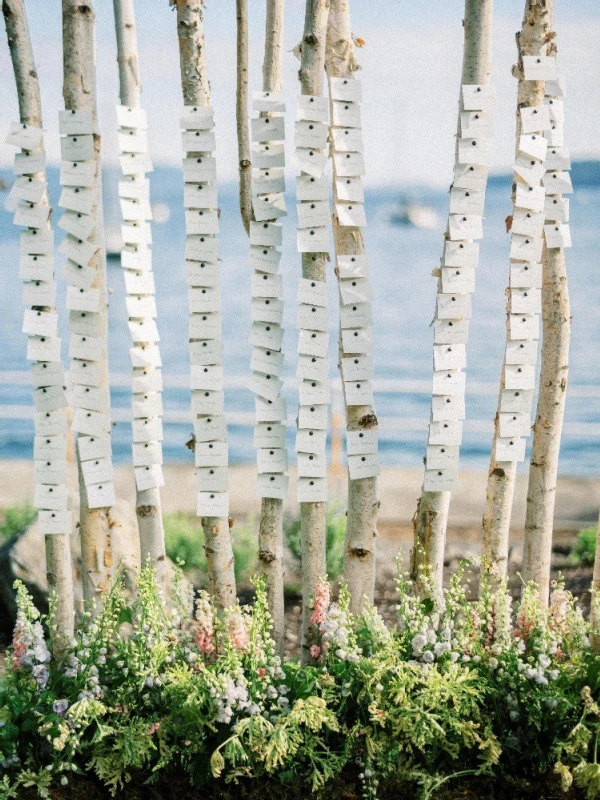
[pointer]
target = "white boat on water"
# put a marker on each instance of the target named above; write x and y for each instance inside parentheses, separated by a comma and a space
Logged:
(415, 214)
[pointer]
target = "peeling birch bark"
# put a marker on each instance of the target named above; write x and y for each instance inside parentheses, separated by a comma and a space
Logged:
(532, 40)
(430, 521)
(363, 503)
(547, 428)
(314, 267)
(59, 570)
(196, 92)
(148, 502)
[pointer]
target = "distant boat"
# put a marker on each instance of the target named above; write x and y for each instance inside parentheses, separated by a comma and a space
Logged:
(418, 215)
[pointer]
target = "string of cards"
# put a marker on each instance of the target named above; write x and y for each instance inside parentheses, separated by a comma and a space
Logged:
(455, 286)
(205, 325)
(314, 221)
(353, 271)
(28, 198)
(90, 396)
(266, 337)
(136, 260)
(540, 213)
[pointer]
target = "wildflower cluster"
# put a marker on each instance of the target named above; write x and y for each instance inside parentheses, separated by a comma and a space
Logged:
(148, 686)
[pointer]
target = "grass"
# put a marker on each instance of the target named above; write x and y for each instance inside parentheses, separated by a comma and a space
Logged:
(585, 547)
(335, 534)
(16, 520)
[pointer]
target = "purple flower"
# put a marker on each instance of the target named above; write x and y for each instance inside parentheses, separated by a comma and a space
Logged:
(60, 706)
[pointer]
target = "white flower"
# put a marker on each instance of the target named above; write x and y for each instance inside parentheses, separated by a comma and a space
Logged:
(419, 642)
(428, 657)
(493, 663)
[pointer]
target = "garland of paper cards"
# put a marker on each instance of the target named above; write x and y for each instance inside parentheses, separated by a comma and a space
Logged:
(355, 291)
(455, 286)
(90, 394)
(205, 324)
(266, 337)
(539, 212)
(314, 221)
(136, 261)
(29, 200)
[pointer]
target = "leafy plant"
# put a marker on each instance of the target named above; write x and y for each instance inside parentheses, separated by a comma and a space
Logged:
(335, 533)
(585, 547)
(16, 520)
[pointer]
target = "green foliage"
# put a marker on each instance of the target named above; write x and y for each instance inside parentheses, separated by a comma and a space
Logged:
(335, 533)
(16, 520)
(585, 547)
(149, 688)
(184, 541)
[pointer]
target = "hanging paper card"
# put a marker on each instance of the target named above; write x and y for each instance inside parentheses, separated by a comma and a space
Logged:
(532, 144)
(267, 435)
(73, 121)
(312, 292)
(557, 183)
(447, 407)
(201, 220)
(134, 187)
(54, 522)
(448, 433)
(267, 361)
(206, 352)
(147, 453)
(313, 318)
(345, 89)
(146, 380)
(199, 168)
(514, 425)
(271, 460)
(275, 486)
(557, 159)
(212, 479)
(27, 188)
(534, 118)
(92, 423)
(313, 108)
(557, 209)
(539, 68)
(313, 416)
(143, 330)
(49, 398)
(345, 115)
(90, 398)
(128, 117)
(97, 470)
(77, 148)
(519, 376)
(203, 299)
(357, 368)
(476, 124)
(268, 101)
(50, 423)
(355, 290)
(207, 429)
(267, 386)
(196, 118)
(264, 259)
(268, 181)
(516, 400)
(466, 201)
(461, 254)
(361, 442)
(39, 293)
(31, 215)
(529, 169)
(207, 377)
(347, 140)
(201, 273)
(78, 250)
(211, 454)
(470, 176)
(266, 234)
(77, 173)
(556, 88)
(510, 449)
(266, 309)
(350, 164)
(557, 110)
(526, 248)
(270, 411)
(201, 248)
(266, 335)
(77, 224)
(478, 97)
(465, 226)
(84, 323)
(40, 323)
(524, 326)
(47, 374)
(474, 151)
(313, 214)
(29, 163)
(312, 465)
(449, 382)
(36, 242)
(438, 480)
(527, 276)
(310, 188)
(453, 306)
(269, 206)
(310, 440)
(101, 495)
(555, 135)
(313, 343)
(353, 266)
(310, 161)
(442, 457)
(363, 466)
(134, 210)
(200, 195)
(82, 299)
(527, 223)
(312, 490)
(531, 197)
(310, 134)
(349, 190)
(359, 393)
(525, 301)
(205, 326)
(87, 373)
(28, 137)
(557, 235)
(314, 393)
(267, 129)
(351, 214)
(147, 430)
(356, 315)
(265, 156)
(313, 240)
(87, 348)
(138, 258)
(142, 306)
(357, 341)
(449, 357)
(148, 404)
(451, 331)
(312, 368)
(36, 268)
(43, 348)
(50, 497)
(135, 141)
(213, 504)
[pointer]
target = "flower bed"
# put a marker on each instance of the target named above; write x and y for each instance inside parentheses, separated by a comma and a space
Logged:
(175, 695)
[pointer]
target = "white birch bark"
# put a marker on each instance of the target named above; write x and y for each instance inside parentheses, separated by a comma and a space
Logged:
(59, 571)
(431, 517)
(595, 591)
(547, 428)
(363, 503)
(270, 534)
(312, 515)
(532, 40)
(196, 93)
(79, 92)
(148, 501)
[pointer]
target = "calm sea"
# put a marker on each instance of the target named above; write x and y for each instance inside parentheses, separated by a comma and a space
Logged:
(402, 259)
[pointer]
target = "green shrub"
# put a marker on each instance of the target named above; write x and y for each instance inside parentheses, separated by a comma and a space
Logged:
(335, 534)
(585, 547)
(16, 520)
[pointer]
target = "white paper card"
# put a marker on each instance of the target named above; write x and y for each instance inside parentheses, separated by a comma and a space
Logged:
(534, 118)
(275, 486)
(312, 490)
(539, 68)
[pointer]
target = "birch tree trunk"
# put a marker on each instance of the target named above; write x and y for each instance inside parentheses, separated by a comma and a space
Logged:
(59, 570)
(314, 267)
(363, 503)
(270, 534)
(148, 501)
(595, 604)
(547, 429)
(196, 93)
(431, 517)
(532, 40)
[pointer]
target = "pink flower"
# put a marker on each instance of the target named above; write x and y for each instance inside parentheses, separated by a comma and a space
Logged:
(153, 728)
(204, 625)
(321, 603)
(315, 650)
(238, 632)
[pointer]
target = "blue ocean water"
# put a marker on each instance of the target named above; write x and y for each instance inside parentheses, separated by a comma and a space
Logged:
(401, 258)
